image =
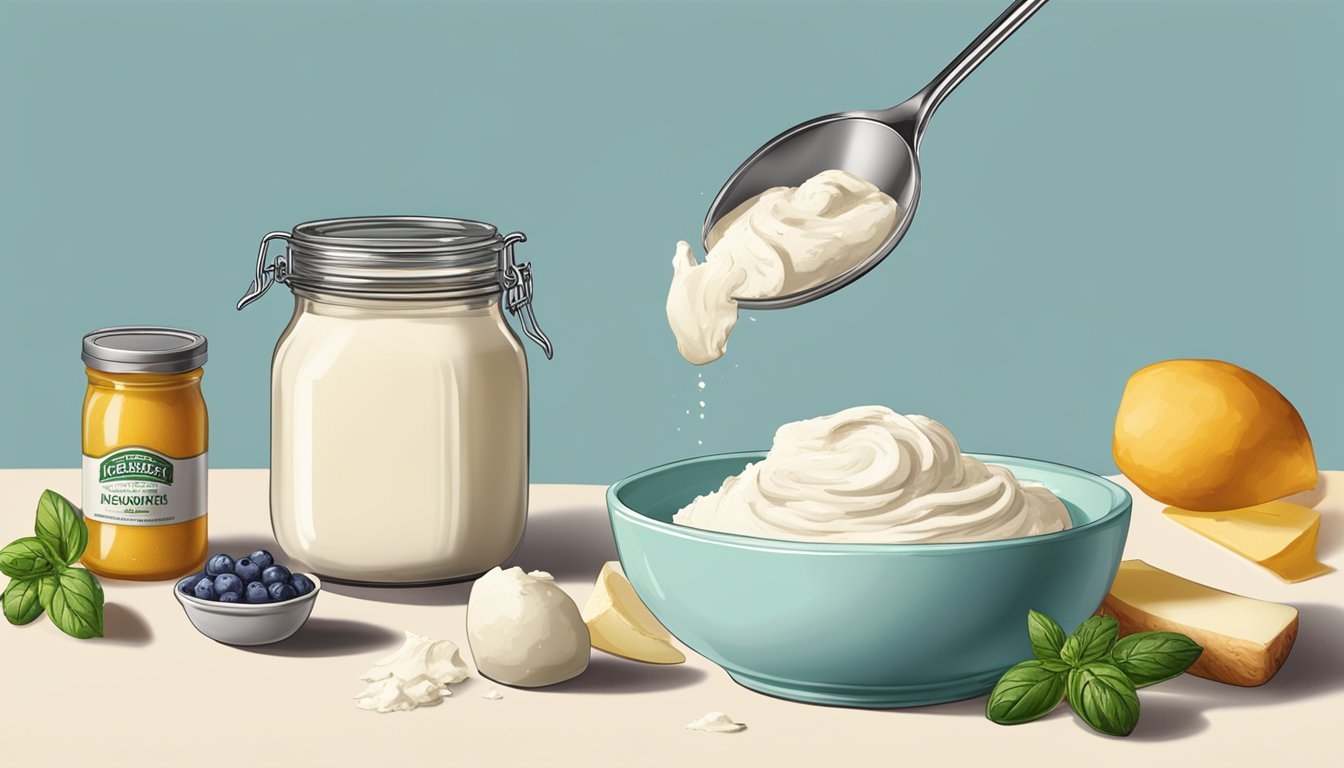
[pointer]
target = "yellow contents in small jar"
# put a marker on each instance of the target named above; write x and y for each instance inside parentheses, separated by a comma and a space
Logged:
(146, 436)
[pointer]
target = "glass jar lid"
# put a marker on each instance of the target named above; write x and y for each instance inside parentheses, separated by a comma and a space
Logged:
(144, 349)
(395, 256)
(410, 258)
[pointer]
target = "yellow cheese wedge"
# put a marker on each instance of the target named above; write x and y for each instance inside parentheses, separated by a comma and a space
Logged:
(1277, 535)
(1245, 640)
(620, 624)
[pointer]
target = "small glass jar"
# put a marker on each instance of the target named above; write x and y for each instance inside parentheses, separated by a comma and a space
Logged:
(399, 399)
(145, 441)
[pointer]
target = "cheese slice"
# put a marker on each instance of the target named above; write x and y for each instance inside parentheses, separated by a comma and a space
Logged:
(1245, 641)
(620, 624)
(1278, 535)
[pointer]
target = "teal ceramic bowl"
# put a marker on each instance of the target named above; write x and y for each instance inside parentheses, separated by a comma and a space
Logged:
(863, 625)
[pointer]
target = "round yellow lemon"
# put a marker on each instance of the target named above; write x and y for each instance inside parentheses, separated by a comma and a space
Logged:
(1209, 436)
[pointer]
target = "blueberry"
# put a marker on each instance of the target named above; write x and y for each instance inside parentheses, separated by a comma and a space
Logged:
(247, 569)
(276, 574)
(281, 591)
(205, 588)
(256, 593)
(227, 582)
(262, 558)
(230, 597)
(302, 584)
(218, 564)
(187, 585)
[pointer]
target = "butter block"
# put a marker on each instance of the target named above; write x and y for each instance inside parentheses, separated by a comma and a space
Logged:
(1245, 640)
(620, 624)
(1278, 535)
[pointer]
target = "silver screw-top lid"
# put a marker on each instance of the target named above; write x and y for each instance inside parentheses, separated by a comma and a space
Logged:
(395, 257)
(143, 349)
(401, 258)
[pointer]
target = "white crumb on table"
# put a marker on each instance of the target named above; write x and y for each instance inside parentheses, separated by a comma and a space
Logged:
(715, 722)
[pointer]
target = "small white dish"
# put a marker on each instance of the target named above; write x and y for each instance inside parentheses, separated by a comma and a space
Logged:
(249, 623)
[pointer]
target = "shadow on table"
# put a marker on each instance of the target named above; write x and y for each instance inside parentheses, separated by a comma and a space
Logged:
(608, 674)
(438, 594)
(123, 626)
(1314, 496)
(1164, 717)
(1179, 708)
(234, 546)
(330, 637)
(1314, 668)
(570, 544)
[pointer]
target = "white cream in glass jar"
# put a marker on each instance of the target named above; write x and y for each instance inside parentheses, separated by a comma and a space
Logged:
(399, 398)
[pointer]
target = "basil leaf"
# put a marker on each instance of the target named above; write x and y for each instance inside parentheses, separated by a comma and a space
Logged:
(21, 601)
(1055, 665)
(1105, 698)
(1024, 693)
(74, 600)
(61, 526)
(26, 558)
(1091, 641)
(1047, 637)
(1151, 657)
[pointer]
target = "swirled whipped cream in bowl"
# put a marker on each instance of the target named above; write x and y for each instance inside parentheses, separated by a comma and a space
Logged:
(782, 241)
(864, 560)
(869, 474)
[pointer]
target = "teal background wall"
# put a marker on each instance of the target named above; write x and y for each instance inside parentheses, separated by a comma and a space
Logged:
(1122, 182)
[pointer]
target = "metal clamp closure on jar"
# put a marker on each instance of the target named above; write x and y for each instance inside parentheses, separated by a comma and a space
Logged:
(414, 258)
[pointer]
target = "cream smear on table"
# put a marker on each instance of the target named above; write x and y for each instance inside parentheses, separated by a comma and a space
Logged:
(715, 722)
(869, 474)
(782, 241)
(416, 675)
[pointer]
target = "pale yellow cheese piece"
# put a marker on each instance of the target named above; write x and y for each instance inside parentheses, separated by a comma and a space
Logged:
(1245, 640)
(1278, 535)
(620, 624)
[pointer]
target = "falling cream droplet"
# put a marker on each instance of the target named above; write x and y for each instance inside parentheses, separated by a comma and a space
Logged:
(699, 442)
(702, 385)
(702, 416)
(702, 403)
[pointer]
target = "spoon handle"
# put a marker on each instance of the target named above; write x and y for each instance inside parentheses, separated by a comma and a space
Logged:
(927, 100)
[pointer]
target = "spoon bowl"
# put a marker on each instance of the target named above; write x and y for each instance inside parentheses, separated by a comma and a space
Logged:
(856, 142)
(879, 146)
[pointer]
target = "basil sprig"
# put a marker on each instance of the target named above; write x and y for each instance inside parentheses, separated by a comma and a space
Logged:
(1091, 641)
(1026, 692)
(61, 526)
(1104, 697)
(1094, 669)
(1148, 658)
(41, 578)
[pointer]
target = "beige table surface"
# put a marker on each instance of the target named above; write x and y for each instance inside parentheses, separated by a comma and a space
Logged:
(154, 692)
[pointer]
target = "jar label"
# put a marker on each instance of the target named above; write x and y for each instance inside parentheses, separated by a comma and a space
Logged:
(137, 486)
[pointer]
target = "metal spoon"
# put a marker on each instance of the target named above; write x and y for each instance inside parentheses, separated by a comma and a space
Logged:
(881, 146)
